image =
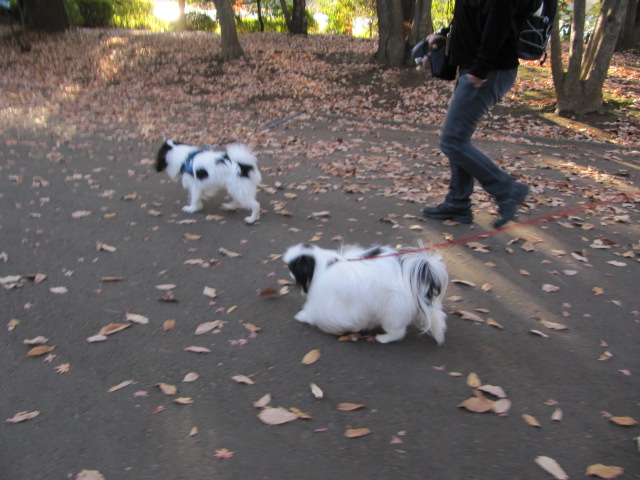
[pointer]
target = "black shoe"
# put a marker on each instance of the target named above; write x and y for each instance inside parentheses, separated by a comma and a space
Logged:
(508, 207)
(445, 211)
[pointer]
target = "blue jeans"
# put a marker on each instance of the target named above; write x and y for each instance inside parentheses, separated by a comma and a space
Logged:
(468, 106)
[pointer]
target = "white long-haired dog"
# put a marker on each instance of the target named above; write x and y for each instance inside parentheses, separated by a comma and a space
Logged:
(353, 289)
(205, 171)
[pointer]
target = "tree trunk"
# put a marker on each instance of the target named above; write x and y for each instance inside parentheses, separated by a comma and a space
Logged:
(297, 20)
(422, 24)
(629, 38)
(181, 23)
(231, 48)
(391, 44)
(260, 19)
(47, 15)
(579, 88)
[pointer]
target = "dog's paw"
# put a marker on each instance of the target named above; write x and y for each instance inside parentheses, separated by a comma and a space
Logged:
(391, 336)
(190, 209)
(250, 220)
(302, 317)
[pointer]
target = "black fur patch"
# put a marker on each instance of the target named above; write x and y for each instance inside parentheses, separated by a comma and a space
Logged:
(201, 174)
(302, 269)
(372, 252)
(161, 158)
(245, 170)
(224, 159)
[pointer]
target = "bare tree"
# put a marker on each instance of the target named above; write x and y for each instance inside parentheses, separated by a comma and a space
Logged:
(231, 48)
(391, 42)
(579, 87)
(630, 35)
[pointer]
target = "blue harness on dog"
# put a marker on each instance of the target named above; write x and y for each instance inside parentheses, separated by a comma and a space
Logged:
(187, 166)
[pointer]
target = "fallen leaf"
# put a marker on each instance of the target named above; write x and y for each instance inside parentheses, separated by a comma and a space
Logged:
(168, 325)
(242, 379)
(165, 286)
(502, 406)
(553, 325)
(549, 465)
(301, 414)
(206, 327)
(136, 318)
(597, 290)
(167, 389)
(463, 282)
(190, 377)
(477, 404)
(90, 475)
(183, 400)
(63, 368)
(277, 416)
(251, 327)
(196, 349)
(191, 236)
(22, 416)
(311, 357)
(263, 401)
(493, 390)
(493, 323)
(228, 253)
(557, 415)
(531, 420)
(224, 454)
(120, 385)
(539, 333)
(466, 315)
(210, 292)
(97, 338)
(193, 432)
(357, 432)
(80, 214)
(113, 328)
(13, 323)
(473, 380)
(36, 341)
(267, 292)
(547, 287)
(101, 246)
(59, 290)
(349, 407)
(624, 421)
(40, 350)
(604, 471)
(316, 390)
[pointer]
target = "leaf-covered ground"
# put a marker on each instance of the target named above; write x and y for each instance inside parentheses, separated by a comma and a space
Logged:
(141, 342)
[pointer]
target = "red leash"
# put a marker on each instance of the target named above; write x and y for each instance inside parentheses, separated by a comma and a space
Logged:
(496, 231)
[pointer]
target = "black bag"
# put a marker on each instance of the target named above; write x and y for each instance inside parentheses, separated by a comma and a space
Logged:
(534, 21)
(438, 58)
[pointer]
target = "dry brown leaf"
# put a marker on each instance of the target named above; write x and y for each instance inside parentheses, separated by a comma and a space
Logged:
(624, 421)
(316, 390)
(22, 416)
(311, 357)
(267, 292)
(466, 315)
(547, 287)
(59, 290)
(349, 407)
(604, 471)
(210, 292)
(242, 379)
(597, 290)
(101, 246)
(136, 318)
(113, 328)
(501, 406)
(13, 323)
(277, 416)
(301, 414)
(228, 253)
(531, 420)
(357, 432)
(493, 323)
(190, 377)
(206, 327)
(36, 341)
(126, 383)
(168, 324)
(196, 349)
(463, 282)
(183, 400)
(477, 404)
(549, 465)
(251, 327)
(493, 390)
(553, 325)
(191, 236)
(97, 338)
(473, 380)
(167, 389)
(556, 416)
(40, 350)
(263, 401)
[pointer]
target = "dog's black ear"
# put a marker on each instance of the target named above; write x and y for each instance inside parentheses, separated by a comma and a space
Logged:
(161, 159)
(302, 269)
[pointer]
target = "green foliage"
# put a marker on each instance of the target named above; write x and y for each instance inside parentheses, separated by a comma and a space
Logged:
(136, 14)
(271, 24)
(201, 21)
(95, 13)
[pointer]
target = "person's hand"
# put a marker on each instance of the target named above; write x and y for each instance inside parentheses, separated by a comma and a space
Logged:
(431, 38)
(475, 81)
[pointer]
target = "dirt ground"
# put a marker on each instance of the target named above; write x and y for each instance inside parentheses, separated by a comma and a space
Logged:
(547, 309)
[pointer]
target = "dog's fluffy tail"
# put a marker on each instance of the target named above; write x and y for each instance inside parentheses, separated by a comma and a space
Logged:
(241, 154)
(427, 276)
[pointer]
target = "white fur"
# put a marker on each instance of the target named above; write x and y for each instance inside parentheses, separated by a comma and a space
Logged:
(348, 293)
(221, 174)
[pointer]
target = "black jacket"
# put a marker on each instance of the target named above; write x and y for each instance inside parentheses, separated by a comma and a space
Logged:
(483, 37)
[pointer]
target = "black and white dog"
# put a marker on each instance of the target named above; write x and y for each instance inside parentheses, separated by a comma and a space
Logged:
(352, 289)
(205, 171)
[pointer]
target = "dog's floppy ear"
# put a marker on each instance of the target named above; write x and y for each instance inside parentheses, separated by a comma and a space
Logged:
(302, 268)
(161, 159)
